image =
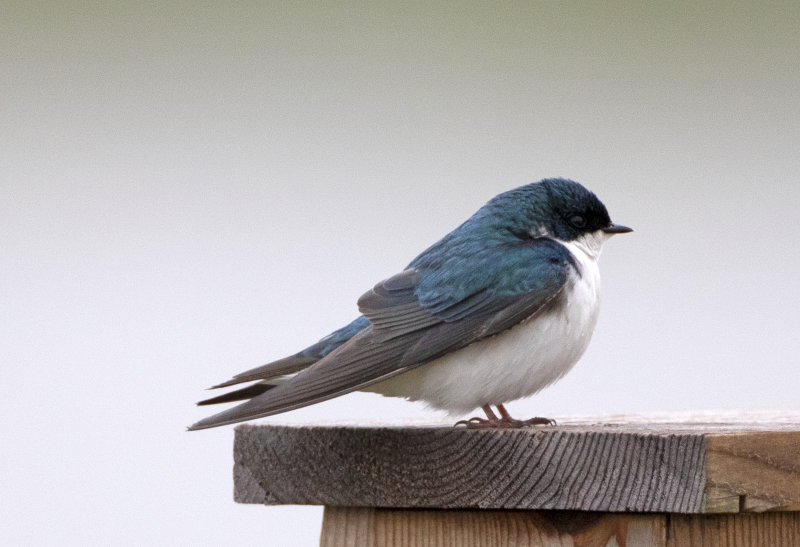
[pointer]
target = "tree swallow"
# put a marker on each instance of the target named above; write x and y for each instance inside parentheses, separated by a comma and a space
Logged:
(496, 310)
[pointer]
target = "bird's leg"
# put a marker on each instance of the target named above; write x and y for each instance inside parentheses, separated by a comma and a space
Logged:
(489, 422)
(491, 416)
(513, 422)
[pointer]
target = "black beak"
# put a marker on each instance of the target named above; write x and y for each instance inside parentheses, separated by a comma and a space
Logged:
(617, 229)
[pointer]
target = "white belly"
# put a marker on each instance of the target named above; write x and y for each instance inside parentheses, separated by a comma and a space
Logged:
(514, 364)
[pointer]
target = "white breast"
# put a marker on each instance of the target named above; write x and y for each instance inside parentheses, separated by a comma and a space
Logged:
(518, 362)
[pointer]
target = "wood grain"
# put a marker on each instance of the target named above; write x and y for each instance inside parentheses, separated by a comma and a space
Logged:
(355, 527)
(738, 530)
(670, 468)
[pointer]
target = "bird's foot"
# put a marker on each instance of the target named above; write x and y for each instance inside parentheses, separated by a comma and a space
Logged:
(536, 420)
(505, 421)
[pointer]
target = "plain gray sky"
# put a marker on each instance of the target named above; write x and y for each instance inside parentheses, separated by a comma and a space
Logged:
(192, 189)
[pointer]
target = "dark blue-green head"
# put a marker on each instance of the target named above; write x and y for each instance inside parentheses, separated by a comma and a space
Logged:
(557, 208)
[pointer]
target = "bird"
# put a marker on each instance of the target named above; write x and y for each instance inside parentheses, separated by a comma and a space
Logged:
(496, 310)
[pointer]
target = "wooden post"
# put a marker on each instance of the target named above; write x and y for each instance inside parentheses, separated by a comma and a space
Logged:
(583, 484)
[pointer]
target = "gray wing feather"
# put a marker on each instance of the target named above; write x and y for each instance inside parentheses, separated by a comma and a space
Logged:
(393, 308)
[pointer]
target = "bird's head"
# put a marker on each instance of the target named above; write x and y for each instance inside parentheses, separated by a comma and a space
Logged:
(555, 208)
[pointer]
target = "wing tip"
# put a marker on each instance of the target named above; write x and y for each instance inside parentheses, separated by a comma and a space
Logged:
(208, 423)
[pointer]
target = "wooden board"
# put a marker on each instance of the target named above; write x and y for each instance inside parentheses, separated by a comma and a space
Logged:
(355, 527)
(668, 468)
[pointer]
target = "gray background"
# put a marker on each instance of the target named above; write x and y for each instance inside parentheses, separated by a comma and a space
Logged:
(192, 189)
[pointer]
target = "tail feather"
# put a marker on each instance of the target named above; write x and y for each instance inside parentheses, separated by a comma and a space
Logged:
(281, 367)
(272, 374)
(239, 395)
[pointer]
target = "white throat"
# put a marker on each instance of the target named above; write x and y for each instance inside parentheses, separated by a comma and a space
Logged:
(589, 244)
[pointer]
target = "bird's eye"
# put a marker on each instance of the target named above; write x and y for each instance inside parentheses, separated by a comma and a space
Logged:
(578, 221)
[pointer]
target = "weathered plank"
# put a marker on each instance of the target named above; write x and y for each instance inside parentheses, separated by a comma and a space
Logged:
(362, 526)
(676, 468)
(685, 468)
(554, 468)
